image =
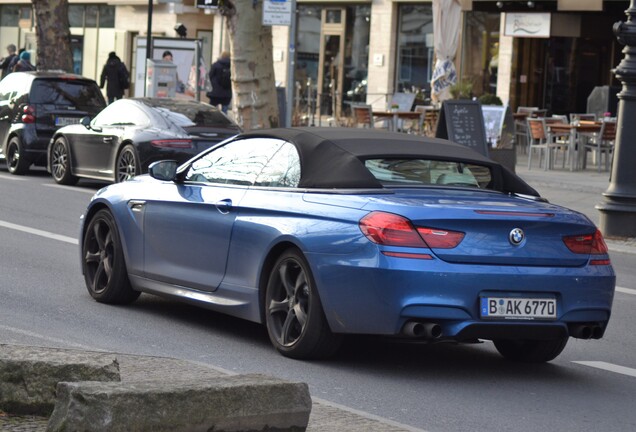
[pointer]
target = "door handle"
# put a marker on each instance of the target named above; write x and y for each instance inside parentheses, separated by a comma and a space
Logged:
(107, 139)
(224, 206)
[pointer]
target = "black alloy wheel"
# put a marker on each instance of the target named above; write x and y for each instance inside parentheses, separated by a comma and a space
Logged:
(17, 162)
(295, 319)
(103, 262)
(61, 163)
(530, 351)
(127, 164)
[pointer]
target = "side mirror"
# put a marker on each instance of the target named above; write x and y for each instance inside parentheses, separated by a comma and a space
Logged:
(165, 170)
(86, 122)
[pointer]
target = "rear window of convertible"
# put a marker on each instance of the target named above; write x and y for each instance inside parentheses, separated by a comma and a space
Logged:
(424, 172)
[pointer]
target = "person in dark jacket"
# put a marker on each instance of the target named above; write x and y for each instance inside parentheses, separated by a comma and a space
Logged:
(24, 64)
(15, 60)
(117, 75)
(6, 61)
(220, 79)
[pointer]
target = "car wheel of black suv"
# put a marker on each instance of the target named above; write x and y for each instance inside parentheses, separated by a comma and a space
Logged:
(295, 319)
(61, 163)
(103, 262)
(17, 162)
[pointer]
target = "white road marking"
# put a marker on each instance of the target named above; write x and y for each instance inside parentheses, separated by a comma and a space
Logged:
(609, 367)
(50, 339)
(12, 177)
(626, 290)
(70, 188)
(38, 232)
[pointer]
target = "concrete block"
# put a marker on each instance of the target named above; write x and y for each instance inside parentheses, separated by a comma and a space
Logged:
(231, 403)
(29, 376)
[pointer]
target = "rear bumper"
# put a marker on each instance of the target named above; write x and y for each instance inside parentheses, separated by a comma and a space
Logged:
(381, 297)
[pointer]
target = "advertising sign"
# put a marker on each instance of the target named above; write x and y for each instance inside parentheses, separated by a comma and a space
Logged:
(527, 25)
(277, 12)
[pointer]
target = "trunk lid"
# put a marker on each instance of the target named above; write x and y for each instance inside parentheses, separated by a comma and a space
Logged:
(499, 229)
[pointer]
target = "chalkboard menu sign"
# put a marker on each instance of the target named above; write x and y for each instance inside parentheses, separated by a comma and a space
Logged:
(462, 122)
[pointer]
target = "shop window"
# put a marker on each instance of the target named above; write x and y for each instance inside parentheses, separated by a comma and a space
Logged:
(9, 15)
(76, 15)
(106, 16)
(91, 16)
(480, 60)
(415, 51)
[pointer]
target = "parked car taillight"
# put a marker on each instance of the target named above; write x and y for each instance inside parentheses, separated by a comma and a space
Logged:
(393, 230)
(589, 244)
(172, 143)
(28, 114)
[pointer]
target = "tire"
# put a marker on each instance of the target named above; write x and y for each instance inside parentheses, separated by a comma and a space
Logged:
(17, 162)
(103, 263)
(530, 351)
(295, 320)
(127, 165)
(61, 163)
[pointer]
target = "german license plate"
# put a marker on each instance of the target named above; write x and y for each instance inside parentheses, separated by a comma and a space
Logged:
(518, 308)
(63, 121)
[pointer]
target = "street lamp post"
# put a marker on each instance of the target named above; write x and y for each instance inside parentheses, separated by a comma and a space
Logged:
(618, 210)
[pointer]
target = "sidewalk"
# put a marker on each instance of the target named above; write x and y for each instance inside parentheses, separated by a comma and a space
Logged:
(577, 190)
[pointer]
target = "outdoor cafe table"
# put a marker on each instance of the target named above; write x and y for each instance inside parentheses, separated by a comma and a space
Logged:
(394, 117)
(574, 131)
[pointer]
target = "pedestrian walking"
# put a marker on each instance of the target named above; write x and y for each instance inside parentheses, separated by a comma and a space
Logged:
(221, 80)
(116, 74)
(6, 61)
(15, 60)
(24, 64)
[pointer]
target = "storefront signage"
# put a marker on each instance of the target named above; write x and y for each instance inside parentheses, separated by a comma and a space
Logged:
(277, 12)
(528, 25)
(208, 4)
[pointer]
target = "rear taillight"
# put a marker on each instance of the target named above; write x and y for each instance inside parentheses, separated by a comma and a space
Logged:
(441, 239)
(589, 244)
(172, 143)
(389, 229)
(28, 114)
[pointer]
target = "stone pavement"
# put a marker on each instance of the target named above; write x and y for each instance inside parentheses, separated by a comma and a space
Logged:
(579, 190)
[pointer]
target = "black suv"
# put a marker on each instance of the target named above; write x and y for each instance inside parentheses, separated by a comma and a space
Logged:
(33, 105)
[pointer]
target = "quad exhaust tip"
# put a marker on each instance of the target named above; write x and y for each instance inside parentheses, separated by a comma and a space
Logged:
(586, 331)
(423, 330)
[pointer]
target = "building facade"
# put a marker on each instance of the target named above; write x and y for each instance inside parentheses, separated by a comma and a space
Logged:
(367, 50)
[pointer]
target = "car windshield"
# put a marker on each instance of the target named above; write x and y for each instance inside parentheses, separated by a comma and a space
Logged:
(424, 172)
(83, 95)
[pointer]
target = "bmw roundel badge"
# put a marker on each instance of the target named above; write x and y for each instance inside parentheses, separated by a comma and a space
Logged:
(516, 236)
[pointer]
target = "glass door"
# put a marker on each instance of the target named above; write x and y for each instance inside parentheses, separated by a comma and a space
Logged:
(330, 69)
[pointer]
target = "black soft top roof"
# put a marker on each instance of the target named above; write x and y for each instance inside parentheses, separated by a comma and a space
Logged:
(334, 157)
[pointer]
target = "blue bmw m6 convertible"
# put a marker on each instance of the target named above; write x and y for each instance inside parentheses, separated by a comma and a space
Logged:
(322, 232)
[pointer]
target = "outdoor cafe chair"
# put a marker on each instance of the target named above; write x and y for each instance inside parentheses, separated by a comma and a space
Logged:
(521, 127)
(575, 117)
(602, 144)
(539, 138)
(362, 116)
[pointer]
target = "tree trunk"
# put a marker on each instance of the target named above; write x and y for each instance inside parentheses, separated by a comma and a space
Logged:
(53, 35)
(253, 80)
